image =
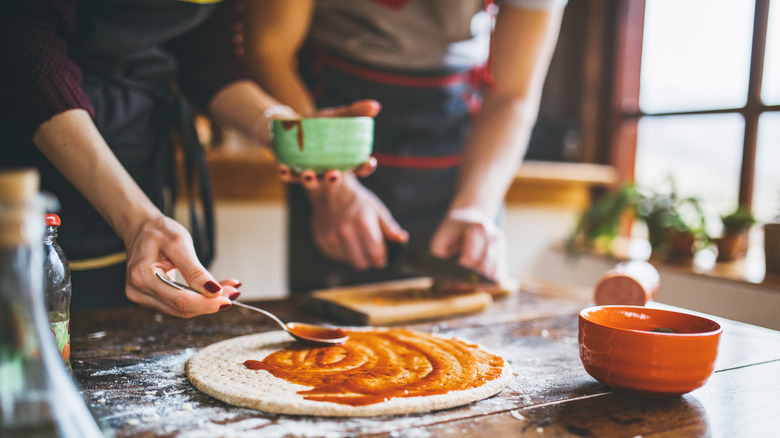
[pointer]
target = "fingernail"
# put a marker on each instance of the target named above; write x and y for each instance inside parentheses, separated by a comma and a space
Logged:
(308, 178)
(283, 172)
(224, 306)
(333, 178)
(212, 287)
(234, 296)
(238, 285)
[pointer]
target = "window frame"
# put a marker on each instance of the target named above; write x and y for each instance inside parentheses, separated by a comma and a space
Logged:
(622, 96)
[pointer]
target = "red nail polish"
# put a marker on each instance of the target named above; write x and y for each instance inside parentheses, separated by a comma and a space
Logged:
(234, 296)
(308, 178)
(238, 285)
(283, 172)
(333, 178)
(212, 287)
(224, 306)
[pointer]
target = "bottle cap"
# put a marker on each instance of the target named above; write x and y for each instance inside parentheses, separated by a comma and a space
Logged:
(52, 219)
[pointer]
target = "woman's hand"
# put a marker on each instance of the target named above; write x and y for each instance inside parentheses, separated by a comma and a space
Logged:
(350, 223)
(311, 181)
(308, 178)
(162, 245)
(475, 238)
(154, 242)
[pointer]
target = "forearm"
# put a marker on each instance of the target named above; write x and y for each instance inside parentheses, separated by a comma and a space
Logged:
(523, 44)
(274, 32)
(73, 144)
(279, 78)
(493, 153)
(244, 106)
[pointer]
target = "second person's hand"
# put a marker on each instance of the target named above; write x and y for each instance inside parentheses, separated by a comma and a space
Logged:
(350, 224)
(310, 179)
(475, 239)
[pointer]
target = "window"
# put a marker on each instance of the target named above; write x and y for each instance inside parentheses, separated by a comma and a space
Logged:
(702, 104)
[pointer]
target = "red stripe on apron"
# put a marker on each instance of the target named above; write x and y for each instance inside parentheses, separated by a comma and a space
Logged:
(408, 162)
(392, 4)
(324, 59)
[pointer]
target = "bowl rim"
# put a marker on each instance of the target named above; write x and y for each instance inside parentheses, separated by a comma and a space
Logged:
(584, 315)
(301, 119)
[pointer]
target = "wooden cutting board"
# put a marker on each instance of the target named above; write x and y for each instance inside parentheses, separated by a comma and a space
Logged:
(394, 302)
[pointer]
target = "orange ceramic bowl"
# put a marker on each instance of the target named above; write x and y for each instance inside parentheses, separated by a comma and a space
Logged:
(631, 349)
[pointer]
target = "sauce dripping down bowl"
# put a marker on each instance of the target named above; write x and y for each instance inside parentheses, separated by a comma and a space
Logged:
(323, 143)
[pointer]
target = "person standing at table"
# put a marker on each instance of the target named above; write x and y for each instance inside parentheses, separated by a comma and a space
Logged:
(459, 84)
(91, 91)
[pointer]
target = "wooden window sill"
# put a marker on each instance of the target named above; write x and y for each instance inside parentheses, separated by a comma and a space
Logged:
(749, 270)
(249, 174)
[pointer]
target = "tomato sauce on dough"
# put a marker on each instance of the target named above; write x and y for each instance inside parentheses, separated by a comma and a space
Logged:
(376, 366)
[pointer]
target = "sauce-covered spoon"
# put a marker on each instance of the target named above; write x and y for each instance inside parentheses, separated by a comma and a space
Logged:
(307, 333)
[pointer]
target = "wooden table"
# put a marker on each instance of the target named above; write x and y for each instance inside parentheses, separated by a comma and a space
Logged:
(130, 364)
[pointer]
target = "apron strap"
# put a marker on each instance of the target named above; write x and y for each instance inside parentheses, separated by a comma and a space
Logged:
(196, 172)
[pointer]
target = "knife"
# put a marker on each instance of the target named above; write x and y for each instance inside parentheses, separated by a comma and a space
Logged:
(414, 261)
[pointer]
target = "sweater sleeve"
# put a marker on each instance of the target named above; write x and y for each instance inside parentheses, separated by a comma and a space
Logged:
(209, 56)
(37, 78)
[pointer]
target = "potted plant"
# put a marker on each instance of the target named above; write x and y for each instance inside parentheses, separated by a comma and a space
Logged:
(772, 247)
(600, 224)
(675, 225)
(733, 243)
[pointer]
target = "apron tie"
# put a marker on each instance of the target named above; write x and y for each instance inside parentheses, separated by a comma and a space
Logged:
(196, 173)
(198, 182)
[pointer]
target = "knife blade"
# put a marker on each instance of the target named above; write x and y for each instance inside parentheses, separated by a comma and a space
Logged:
(414, 261)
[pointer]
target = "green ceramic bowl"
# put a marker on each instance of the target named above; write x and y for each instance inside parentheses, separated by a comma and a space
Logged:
(321, 144)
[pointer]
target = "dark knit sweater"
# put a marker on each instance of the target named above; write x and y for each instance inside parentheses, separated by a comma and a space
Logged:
(40, 78)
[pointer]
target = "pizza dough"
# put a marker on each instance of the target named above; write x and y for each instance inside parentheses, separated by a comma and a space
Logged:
(377, 372)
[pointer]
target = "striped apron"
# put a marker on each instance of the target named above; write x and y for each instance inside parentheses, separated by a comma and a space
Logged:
(419, 137)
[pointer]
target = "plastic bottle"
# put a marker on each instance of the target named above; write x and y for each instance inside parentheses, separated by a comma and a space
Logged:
(57, 288)
(38, 397)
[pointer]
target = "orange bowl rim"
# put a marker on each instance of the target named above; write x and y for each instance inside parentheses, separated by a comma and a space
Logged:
(584, 315)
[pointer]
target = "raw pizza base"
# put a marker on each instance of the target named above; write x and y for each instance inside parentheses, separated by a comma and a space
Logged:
(218, 370)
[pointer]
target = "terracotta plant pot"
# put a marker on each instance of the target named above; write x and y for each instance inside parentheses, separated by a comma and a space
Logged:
(679, 244)
(772, 248)
(731, 246)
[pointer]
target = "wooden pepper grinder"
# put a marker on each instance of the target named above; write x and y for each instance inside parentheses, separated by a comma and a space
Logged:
(631, 283)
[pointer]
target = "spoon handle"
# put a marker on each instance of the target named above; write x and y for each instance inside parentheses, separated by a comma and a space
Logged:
(257, 309)
(175, 283)
(182, 286)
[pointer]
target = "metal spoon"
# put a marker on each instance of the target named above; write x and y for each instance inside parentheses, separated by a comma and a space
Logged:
(306, 333)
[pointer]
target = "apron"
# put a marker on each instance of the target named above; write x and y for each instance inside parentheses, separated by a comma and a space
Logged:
(419, 136)
(136, 111)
